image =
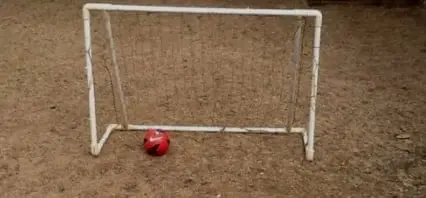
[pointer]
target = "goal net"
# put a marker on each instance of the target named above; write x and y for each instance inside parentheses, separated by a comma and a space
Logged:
(194, 69)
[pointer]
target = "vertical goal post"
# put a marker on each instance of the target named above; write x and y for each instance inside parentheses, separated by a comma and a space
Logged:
(307, 132)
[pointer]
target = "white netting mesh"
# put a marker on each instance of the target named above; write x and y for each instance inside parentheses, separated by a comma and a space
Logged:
(199, 69)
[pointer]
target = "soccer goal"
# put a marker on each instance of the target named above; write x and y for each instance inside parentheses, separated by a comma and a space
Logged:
(201, 69)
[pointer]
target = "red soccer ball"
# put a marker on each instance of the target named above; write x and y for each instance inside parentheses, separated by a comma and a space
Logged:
(156, 142)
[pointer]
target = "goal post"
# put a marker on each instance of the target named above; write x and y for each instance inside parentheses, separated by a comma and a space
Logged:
(124, 124)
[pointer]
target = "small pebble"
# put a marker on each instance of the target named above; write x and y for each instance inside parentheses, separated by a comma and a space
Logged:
(403, 136)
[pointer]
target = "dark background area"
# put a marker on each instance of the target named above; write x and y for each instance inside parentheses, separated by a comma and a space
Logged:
(387, 3)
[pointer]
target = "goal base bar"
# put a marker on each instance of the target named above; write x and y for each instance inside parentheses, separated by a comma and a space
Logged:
(96, 147)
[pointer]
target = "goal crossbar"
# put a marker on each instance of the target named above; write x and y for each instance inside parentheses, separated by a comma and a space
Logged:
(308, 132)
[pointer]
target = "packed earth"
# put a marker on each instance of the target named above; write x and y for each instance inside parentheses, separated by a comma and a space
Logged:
(370, 129)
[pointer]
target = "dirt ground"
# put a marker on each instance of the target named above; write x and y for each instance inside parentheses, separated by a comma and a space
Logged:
(371, 92)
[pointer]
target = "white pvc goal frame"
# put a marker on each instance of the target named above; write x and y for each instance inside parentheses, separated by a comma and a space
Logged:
(308, 133)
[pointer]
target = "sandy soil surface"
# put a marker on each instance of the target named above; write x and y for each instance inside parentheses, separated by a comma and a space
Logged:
(213, 70)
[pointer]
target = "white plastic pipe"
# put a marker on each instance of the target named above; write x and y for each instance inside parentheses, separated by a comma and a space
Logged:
(314, 88)
(90, 81)
(204, 10)
(207, 10)
(210, 129)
